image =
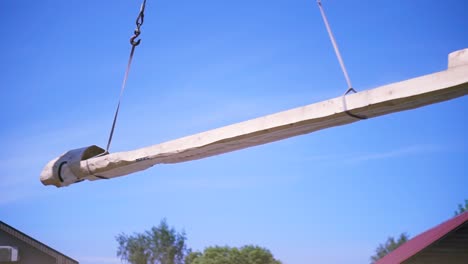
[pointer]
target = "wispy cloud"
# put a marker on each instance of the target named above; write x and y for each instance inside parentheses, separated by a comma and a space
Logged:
(17, 180)
(99, 260)
(18, 186)
(24, 158)
(397, 153)
(326, 252)
(213, 182)
(360, 157)
(208, 183)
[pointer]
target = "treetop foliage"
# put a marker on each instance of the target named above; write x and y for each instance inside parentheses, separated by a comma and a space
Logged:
(390, 245)
(160, 245)
(232, 255)
(462, 208)
(163, 245)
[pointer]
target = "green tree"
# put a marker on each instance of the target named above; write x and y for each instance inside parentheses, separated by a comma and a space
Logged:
(232, 255)
(390, 245)
(190, 258)
(461, 208)
(160, 245)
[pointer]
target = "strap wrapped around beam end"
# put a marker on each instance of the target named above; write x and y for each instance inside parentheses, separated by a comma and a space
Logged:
(65, 169)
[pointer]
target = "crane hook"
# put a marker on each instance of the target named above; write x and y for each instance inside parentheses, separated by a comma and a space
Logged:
(139, 22)
(132, 39)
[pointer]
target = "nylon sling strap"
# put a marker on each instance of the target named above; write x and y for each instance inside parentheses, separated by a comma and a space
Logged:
(340, 60)
(137, 32)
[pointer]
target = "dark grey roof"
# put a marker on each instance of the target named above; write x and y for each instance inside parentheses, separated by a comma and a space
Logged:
(60, 258)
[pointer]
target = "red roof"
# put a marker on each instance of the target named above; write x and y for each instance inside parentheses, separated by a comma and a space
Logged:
(424, 240)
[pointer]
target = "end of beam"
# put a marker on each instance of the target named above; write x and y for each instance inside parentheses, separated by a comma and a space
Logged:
(458, 58)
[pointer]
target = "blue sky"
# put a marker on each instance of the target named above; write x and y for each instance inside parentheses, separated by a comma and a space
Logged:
(327, 197)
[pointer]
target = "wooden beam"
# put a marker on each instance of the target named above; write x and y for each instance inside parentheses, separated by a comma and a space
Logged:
(80, 164)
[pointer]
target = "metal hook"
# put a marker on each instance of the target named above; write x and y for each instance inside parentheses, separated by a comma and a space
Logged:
(132, 39)
(139, 22)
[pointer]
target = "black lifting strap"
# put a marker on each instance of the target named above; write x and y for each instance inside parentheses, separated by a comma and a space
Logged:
(137, 32)
(340, 60)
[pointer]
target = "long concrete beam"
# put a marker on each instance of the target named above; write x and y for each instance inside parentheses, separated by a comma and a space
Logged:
(92, 164)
